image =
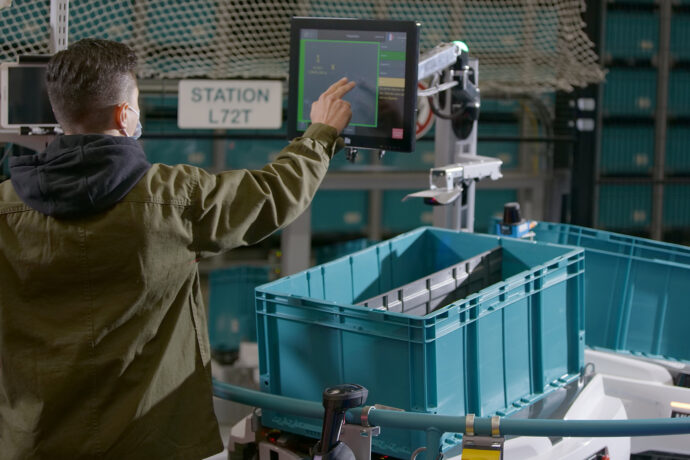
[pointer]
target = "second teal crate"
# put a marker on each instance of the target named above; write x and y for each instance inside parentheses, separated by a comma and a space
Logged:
(636, 291)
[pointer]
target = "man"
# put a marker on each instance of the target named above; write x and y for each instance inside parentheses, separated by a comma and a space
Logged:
(103, 333)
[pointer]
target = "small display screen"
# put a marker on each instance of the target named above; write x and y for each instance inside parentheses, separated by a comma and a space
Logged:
(27, 97)
(381, 57)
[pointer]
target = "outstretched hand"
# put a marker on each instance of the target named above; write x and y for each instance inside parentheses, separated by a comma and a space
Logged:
(330, 108)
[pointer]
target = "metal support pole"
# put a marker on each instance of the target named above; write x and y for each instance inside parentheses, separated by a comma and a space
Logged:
(59, 19)
(444, 149)
(661, 118)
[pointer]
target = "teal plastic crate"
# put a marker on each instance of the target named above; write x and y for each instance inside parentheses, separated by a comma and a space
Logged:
(506, 151)
(630, 92)
(495, 351)
(679, 93)
(632, 34)
(231, 313)
(399, 216)
(340, 211)
(676, 206)
(489, 204)
(680, 36)
(627, 149)
(678, 150)
(625, 207)
(636, 291)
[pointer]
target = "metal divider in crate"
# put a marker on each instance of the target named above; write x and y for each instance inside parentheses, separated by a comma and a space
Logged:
(443, 287)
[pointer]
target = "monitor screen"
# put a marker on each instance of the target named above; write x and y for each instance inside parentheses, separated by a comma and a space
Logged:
(380, 56)
(24, 96)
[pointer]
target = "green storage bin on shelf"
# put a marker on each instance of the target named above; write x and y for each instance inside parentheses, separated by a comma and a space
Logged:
(176, 150)
(494, 351)
(340, 211)
(252, 153)
(502, 106)
(678, 150)
(636, 291)
(489, 204)
(679, 93)
(676, 206)
(680, 36)
(506, 151)
(630, 92)
(422, 159)
(627, 149)
(631, 34)
(625, 207)
(231, 313)
(401, 216)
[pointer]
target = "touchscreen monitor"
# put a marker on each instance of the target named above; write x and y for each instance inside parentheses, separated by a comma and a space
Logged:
(381, 56)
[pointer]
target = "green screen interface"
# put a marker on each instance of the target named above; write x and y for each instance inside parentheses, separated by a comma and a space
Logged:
(374, 60)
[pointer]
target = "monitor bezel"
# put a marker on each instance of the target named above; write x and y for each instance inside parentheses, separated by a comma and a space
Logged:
(411, 28)
(4, 99)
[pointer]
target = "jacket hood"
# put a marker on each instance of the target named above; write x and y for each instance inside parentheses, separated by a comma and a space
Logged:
(79, 175)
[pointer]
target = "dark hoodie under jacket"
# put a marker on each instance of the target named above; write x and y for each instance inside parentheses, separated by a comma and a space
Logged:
(79, 175)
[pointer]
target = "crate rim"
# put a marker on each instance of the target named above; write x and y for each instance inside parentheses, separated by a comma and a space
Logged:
(574, 255)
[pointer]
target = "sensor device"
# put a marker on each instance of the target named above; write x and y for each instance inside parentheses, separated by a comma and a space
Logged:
(380, 56)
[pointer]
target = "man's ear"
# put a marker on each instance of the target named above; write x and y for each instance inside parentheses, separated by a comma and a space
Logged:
(120, 114)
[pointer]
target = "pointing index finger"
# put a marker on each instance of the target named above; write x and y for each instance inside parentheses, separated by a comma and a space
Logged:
(335, 86)
(344, 89)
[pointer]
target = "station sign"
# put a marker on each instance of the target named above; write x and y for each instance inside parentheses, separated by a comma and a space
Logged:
(230, 104)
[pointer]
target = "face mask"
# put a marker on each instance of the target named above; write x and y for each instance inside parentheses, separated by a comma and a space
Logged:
(137, 131)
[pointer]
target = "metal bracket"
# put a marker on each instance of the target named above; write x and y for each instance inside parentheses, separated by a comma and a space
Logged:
(358, 438)
(482, 447)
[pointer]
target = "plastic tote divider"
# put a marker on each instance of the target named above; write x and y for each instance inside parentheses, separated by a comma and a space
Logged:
(494, 351)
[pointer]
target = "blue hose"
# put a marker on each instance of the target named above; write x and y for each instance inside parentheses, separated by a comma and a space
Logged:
(454, 424)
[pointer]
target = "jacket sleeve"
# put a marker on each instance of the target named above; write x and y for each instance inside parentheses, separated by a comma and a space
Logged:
(241, 207)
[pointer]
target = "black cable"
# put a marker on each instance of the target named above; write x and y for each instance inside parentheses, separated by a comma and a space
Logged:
(443, 116)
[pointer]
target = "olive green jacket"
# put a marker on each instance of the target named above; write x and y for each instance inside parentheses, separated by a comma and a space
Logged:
(103, 331)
